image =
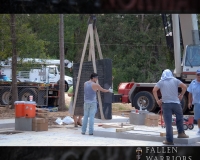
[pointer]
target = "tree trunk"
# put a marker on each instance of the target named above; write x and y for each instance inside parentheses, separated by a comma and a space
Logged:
(62, 68)
(14, 60)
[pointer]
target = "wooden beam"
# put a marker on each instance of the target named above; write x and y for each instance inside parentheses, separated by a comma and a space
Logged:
(98, 43)
(119, 127)
(90, 54)
(94, 67)
(112, 125)
(125, 128)
(80, 70)
(162, 134)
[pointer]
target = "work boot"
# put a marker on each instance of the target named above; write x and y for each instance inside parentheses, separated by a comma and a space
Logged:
(182, 135)
(168, 143)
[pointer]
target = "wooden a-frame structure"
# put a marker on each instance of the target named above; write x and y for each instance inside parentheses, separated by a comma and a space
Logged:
(91, 32)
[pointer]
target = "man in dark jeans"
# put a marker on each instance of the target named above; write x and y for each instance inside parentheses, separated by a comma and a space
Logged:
(170, 102)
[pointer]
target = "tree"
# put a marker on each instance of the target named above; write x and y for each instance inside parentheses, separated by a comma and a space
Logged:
(62, 68)
(14, 59)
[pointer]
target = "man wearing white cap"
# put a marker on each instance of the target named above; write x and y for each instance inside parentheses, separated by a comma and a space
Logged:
(168, 86)
(194, 98)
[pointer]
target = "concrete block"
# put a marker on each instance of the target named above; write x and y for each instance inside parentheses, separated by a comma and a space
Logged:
(152, 116)
(40, 126)
(151, 122)
(143, 112)
(40, 120)
(23, 124)
(137, 118)
(42, 115)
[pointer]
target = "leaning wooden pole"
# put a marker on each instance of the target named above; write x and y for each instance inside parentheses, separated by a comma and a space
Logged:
(98, 43)
(95, 68)
(80, 70)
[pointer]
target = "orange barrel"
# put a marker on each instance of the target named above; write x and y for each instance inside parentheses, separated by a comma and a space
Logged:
(19, 109)
(29, 109)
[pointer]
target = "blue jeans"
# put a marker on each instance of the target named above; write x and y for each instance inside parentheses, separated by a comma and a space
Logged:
(197, 111)
(89, 112)
(168, 110)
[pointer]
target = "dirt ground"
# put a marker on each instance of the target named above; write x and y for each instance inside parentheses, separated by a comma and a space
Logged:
(117, 109)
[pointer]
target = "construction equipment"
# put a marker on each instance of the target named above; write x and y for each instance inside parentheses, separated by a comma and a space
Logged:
(47, 73)
(43, 94)
(140, 94)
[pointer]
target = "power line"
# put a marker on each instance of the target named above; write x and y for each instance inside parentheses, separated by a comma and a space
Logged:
(104, 44)
(107, 44)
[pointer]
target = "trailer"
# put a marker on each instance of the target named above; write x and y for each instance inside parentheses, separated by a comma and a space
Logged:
(43, 94)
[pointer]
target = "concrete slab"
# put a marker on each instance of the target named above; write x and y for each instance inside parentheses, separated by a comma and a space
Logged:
(68, 135)
(7, 123)
(145, 134)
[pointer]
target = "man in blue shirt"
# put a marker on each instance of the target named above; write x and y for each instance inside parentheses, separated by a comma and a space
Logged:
(194, 98)
(168, 86)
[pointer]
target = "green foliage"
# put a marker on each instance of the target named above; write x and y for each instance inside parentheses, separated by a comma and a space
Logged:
(135, 42)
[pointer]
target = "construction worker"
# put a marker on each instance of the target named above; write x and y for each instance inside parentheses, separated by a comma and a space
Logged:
(90, 102)
(193, 98)
(170, 102)
(77, 118)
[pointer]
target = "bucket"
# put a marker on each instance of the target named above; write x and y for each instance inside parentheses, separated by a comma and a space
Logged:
(29, 109)
(19, 109)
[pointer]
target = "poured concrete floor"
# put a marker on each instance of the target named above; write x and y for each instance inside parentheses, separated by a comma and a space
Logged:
(67, 135)
(146, 134)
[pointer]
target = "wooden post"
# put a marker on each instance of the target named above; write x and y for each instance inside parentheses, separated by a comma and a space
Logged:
(80, 70)
(90, 32)
(95, 69)
(90, 54)
(98, 43)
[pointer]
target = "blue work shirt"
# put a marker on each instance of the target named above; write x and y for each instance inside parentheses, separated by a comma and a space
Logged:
(194, 89)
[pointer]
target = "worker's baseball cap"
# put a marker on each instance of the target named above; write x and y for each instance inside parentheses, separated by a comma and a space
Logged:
(198, 71)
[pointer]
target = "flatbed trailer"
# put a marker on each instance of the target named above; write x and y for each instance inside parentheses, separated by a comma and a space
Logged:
(43, 94)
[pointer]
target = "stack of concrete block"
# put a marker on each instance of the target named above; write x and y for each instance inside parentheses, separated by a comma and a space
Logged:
(151, 119)
(42, 113)
(40, 122)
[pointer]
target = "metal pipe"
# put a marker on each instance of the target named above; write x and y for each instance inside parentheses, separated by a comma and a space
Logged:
(177, 50)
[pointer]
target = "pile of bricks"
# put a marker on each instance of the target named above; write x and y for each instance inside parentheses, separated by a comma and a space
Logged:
(151, 119)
